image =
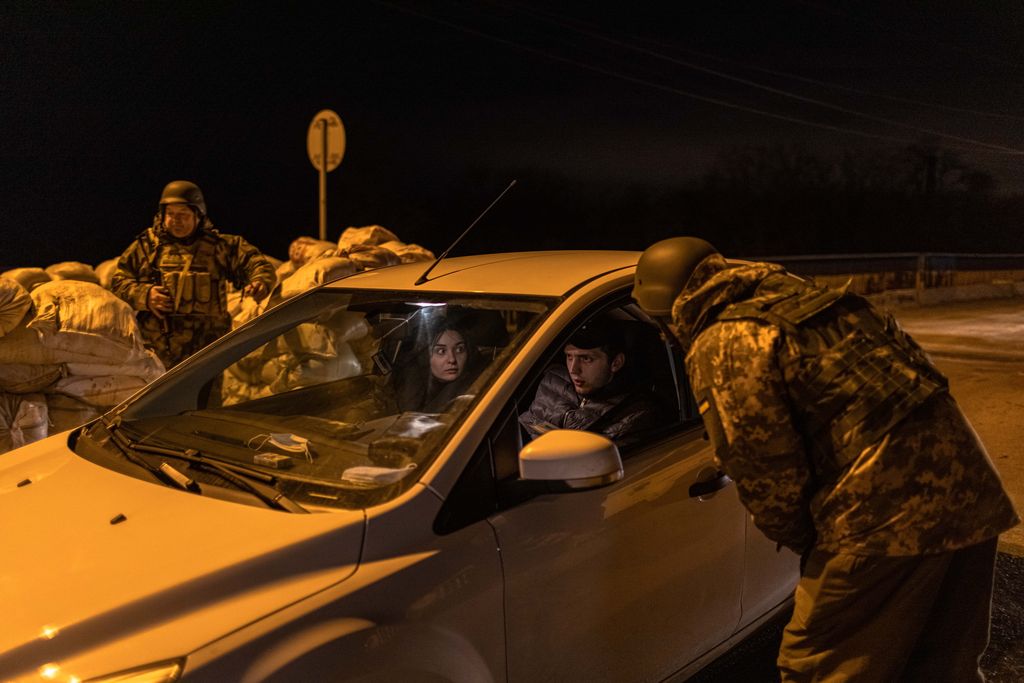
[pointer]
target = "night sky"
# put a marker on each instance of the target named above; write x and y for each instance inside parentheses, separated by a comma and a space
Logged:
(444, 102)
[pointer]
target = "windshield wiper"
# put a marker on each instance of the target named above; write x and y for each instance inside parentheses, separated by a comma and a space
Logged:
(256, 483)
(124, 445)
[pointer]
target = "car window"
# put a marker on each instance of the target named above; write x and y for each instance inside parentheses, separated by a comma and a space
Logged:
(652, 369)
(343, 397)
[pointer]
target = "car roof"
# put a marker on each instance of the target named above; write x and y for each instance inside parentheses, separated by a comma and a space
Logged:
(532, 273)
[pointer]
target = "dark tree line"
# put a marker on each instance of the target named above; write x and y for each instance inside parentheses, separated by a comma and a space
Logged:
(756, 201)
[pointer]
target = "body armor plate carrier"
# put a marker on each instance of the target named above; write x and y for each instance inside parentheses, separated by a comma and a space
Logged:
(858, 373)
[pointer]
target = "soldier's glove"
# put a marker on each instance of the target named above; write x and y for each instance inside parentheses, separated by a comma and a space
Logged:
(257, 290)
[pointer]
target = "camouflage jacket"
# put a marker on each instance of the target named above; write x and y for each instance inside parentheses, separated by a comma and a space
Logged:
(920, 483)
(232, 259)
(614, 411)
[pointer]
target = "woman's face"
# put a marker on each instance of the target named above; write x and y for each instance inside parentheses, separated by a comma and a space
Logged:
(448, 356)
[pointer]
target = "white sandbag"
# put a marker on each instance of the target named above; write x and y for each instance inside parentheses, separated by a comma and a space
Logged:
(82, 317)
(67, 412)
(304, 249)
(14, 304)
(102, 391)
(234, 390)
(20, 378)
(311, 369)
(29, 278)
(285, 271)
(369, 235)
(147, 368)
(409, 253)
(368, 257)
(73, 270)
(23, 345)
(23, 420)
(105, 272)
(316, 273)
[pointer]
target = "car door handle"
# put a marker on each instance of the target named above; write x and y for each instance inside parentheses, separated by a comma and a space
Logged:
(704, 488)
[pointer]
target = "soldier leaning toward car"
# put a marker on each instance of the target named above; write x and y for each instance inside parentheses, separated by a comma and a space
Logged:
(846, 447)
(174, 274)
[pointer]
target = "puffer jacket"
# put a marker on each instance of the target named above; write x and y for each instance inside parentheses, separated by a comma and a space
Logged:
(617, 411)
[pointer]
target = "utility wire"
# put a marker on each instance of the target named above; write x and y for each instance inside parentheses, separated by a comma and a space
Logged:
(657, 86)
(846, 15)
(761, 86)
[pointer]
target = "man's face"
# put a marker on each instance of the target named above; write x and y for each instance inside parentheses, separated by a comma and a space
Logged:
(590, 369)
(180, 220)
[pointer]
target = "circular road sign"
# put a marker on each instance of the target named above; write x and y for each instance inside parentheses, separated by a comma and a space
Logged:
(329, 123)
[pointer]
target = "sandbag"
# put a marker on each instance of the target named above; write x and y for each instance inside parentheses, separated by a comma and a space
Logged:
(14, 304)
(316, 273)
(82, 317)
(23, 420)
(73, 270)
(21, 378)
(29, 278)
(304, 249)
(368, 257)
(147, 368)
(105, 272)
(67, 412)
(409, 253)
(102, 391)
(23, 345)
(370, 235)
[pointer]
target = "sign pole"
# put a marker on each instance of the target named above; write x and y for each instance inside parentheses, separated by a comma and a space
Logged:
(325, 145)
(323, 179)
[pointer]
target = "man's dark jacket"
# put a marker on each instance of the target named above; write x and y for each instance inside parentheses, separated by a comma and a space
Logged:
(620, 412)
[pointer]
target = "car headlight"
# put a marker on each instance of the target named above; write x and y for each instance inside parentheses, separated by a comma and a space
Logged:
(162, 672)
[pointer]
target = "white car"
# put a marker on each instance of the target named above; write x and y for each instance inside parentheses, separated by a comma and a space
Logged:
(264, 511)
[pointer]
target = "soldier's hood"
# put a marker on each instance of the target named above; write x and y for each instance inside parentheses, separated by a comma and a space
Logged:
(714, 285)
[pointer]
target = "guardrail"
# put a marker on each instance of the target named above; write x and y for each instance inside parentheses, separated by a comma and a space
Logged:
(922, 278)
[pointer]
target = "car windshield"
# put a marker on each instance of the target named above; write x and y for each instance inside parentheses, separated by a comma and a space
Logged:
(338, 399)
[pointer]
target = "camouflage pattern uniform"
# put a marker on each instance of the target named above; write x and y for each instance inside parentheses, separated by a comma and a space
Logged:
(843, 440)
(195, 271)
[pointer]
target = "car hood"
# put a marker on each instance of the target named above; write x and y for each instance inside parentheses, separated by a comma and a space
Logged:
(93, 594)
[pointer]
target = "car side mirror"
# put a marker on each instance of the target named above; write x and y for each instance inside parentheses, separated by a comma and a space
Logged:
(575, 459)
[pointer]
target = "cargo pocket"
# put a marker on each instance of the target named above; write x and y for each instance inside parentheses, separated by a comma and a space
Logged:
(187, 293)
(203, 287)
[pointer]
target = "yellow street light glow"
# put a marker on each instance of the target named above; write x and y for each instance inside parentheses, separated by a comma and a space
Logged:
(49, 671)
(49, 632)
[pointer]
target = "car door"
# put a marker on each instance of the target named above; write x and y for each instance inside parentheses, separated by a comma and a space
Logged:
(628, 582)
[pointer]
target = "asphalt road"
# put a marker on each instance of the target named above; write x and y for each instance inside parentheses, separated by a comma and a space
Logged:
(980, 347)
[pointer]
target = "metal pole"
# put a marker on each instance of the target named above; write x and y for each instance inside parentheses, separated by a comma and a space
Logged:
(323, 179)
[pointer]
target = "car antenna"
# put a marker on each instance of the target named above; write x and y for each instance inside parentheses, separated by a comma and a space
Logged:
(423, 278)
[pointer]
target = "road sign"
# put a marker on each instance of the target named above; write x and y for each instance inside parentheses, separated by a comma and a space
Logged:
(326, 138)
(325, 141)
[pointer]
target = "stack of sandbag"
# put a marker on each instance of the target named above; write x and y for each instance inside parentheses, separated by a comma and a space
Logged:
(77, 344)
(29, 278)
(376, 246)
(73, 270)
(312, 353)
(105, 272)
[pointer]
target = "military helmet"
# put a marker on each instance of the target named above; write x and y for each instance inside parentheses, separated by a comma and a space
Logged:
(664, 269)
(183, 192)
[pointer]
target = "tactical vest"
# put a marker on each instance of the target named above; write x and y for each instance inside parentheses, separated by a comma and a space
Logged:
(859, 374)
(191, 275)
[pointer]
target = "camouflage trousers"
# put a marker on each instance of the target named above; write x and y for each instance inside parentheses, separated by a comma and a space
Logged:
(179, 336)
(871, 618)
